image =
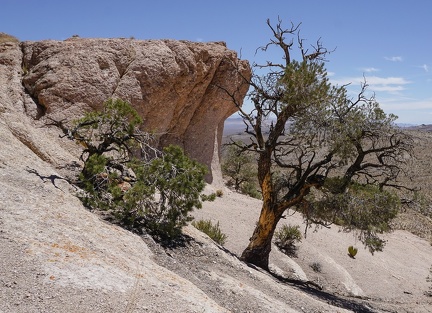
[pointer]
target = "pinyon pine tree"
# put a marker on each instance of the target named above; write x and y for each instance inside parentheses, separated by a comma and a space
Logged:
(141, 187)
(319, 152)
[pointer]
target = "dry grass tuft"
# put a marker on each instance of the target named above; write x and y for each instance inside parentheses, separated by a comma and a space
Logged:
(7, 38)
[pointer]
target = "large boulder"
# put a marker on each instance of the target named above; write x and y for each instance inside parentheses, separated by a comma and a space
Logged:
(174, 85)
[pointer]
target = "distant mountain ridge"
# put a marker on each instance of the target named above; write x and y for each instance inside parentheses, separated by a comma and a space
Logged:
(235, 126)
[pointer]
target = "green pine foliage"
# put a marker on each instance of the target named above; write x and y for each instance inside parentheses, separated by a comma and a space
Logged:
(178, 182)
(154, 192)
(210, 197)
(364, 209)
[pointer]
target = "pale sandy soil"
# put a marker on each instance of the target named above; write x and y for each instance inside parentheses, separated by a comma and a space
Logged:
(396, 275)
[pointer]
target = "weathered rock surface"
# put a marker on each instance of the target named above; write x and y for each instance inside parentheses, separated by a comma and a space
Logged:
(174, 85)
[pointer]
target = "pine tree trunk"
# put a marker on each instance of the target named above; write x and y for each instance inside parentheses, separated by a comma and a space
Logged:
(258, 250)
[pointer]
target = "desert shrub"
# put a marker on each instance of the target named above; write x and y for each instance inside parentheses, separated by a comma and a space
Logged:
(213, 231)
(153, 192)
(316, 267)
(211, 197)
(287, 237)
(429, 280)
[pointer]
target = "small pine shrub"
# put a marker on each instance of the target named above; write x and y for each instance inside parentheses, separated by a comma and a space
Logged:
(166, 184)
(219, 193)
(213, 231)
(287, 237)
(237, 165)
(179, 181)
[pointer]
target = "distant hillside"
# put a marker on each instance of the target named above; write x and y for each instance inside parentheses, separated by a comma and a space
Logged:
(235, 126)
(422, 127)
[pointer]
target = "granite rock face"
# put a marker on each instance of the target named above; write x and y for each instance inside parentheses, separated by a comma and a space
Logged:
(174, 85)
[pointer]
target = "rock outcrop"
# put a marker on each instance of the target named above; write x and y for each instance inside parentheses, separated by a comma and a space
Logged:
(174, 85)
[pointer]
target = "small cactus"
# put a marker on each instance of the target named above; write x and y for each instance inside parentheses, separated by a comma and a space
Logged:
(352, 251)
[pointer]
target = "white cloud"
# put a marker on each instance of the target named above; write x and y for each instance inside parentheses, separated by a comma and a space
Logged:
(386, 88)
(394, 59)
(370, 69)
(375, 80)
(425, 67)
(408, 104)
(409, 110)
(376, 83)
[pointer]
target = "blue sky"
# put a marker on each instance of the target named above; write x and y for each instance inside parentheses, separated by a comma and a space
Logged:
(387, 41)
